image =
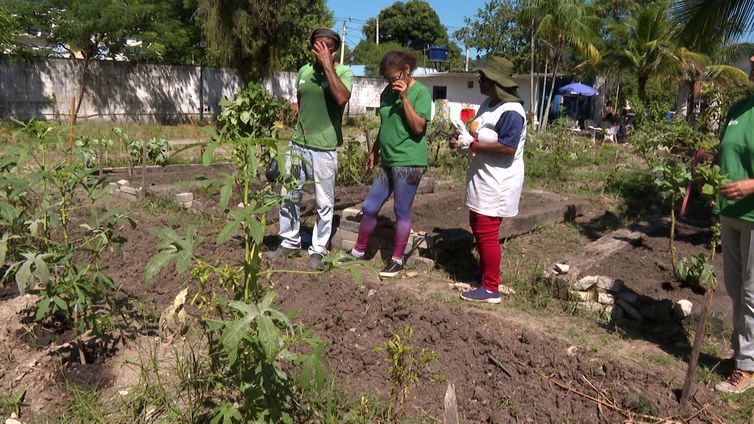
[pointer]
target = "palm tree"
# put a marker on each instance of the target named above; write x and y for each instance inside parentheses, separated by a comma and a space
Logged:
(703, 20)
(644, 45)
(562, 25)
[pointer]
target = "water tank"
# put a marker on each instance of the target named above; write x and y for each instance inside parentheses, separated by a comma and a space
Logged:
(438, 54)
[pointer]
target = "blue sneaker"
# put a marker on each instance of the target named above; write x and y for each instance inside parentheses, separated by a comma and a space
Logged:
(480, 294)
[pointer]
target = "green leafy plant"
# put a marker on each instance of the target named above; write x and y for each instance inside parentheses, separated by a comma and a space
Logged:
(671, 179)
(407, 365)
(351, 160)
(696, 271)
(253, 347)
(58, 261)
(157, 151)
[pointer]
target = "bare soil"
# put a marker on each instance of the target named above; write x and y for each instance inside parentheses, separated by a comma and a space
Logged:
(504, 370)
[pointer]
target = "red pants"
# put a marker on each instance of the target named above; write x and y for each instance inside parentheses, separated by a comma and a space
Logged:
(486, 231)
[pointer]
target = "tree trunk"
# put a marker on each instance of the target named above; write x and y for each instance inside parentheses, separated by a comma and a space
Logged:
(642, 90)
(682, 100)
(532, 93)
(552, 93)
(544, 91)
(82, 88)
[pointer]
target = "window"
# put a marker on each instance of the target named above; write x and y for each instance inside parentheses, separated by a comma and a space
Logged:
(439, 92)
(470, 84)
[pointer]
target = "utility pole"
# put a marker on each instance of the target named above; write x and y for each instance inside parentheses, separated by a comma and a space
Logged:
(343, 42)
(467, 58)
(377, 38)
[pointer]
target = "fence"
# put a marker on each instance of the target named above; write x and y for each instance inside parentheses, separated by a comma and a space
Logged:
(124, 91)
(44, 89)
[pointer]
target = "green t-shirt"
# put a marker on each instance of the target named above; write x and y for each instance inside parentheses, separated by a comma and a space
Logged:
(398, 146)
(736, 157)
(319, 117)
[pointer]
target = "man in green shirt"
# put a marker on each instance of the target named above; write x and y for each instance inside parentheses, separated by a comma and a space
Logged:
(736, 203)
(323, 89)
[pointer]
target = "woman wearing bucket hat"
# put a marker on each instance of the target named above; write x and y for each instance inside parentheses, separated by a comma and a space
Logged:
(495, 177)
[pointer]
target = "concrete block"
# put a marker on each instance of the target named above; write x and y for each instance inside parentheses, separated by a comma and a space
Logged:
(605, 298)
(184, 197)
(346, 225)
(127, 196)
(122, 183)
(348, 235)
(129, 190)
(187, 205)
(347, 244)
(426, 185)
(350, 213)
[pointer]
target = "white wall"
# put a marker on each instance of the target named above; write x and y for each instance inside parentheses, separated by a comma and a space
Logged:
(44, 89)
(365, 94)
(459, 92)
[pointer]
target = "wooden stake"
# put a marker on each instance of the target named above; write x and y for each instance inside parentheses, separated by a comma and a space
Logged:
(143, 191)
(451, 406)
(698, 337)
(70, 131)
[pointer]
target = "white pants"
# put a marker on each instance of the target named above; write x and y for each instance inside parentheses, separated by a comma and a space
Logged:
(309, 166)
(738, 269)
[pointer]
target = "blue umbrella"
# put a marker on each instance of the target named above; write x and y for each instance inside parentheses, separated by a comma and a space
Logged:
(578, 89)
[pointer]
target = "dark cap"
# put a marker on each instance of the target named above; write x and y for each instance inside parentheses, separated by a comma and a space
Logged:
(325, 33)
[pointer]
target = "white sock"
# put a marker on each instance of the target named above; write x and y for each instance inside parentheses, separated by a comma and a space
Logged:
(398, 261)
(356, 254)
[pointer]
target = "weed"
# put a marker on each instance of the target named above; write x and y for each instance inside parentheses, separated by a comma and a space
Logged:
(12, 403)
(407, 365)
(641, 404)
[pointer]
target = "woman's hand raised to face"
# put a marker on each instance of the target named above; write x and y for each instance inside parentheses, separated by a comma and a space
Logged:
(400, 87)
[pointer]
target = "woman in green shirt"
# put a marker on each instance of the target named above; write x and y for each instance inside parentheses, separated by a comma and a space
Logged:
(401, 151)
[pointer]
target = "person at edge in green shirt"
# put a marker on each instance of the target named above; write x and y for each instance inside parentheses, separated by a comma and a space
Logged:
(736, 205)
(401, 148)
(323, 89)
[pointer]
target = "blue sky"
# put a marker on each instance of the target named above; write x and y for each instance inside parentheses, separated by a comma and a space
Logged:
(451, 14)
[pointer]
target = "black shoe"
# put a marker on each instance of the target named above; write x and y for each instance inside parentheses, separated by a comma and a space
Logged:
(350, 258)
(315, 262)
(283, 252)
(392, 269)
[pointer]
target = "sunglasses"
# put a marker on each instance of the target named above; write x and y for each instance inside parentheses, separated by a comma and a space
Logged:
(394, 78)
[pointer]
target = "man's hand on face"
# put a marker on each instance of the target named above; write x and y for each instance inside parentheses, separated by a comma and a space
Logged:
(322, 54)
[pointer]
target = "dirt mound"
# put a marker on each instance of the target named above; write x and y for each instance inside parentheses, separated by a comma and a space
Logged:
(355, 320)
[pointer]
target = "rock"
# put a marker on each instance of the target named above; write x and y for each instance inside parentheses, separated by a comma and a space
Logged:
(187, 205)
(629, 310)
(582, 296)
(592, 306)
(605, 298)
(412, 274)
(371, 293)
(464, 287)
(503, 289)
(660, 311)
(571, 350)
(123, 392)
(682, 308)
(12, 421)
(122, 183)
(174, 319)
(561, 268)
(602, 282)
(129, 190)
(184, 197)
(629, 296)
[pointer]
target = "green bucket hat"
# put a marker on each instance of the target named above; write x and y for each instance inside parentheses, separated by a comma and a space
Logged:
(500, 71)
